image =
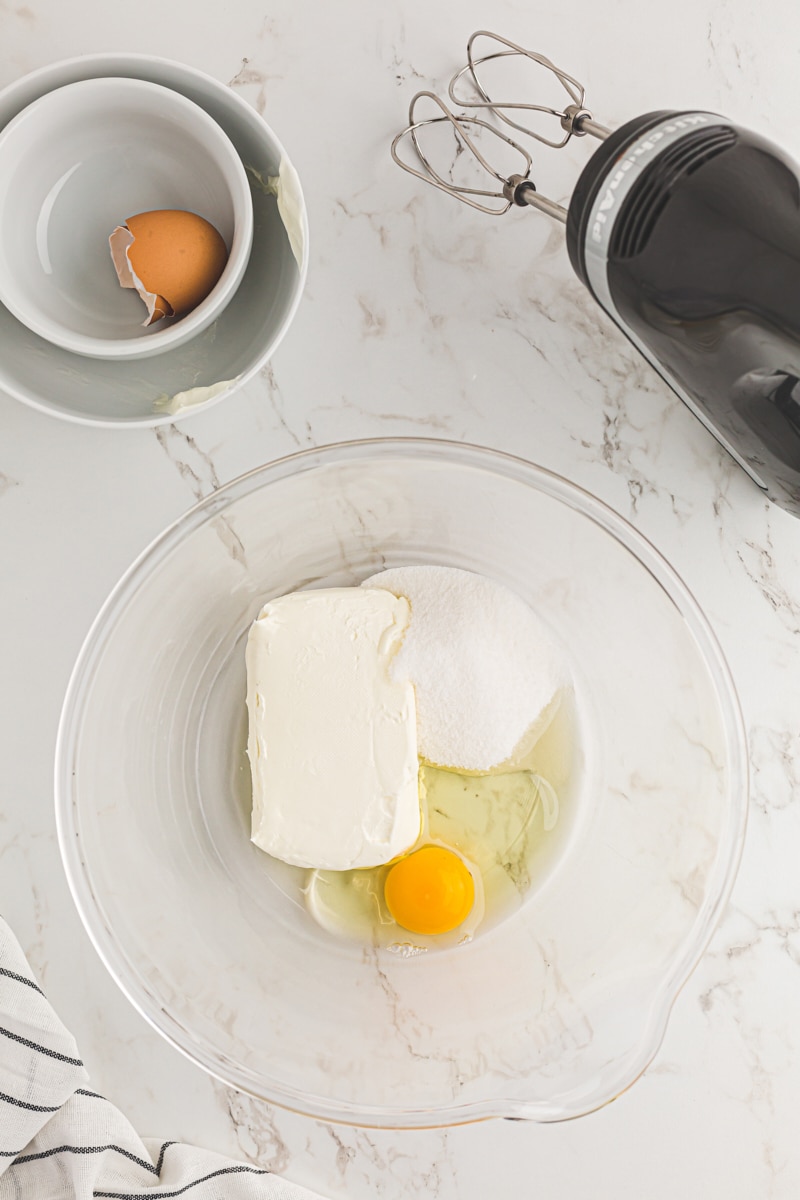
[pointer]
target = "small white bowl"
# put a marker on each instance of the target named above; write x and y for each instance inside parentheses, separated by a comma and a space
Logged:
(78, 162)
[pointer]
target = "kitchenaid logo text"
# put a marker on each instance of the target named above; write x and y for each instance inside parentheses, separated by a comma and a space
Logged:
(609, 199)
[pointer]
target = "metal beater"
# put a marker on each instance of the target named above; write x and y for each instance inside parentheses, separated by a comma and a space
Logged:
(574, 119)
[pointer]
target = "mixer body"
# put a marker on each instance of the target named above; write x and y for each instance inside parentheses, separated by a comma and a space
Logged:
(686, 229)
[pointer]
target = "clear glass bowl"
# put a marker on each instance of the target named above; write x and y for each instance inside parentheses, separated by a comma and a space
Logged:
(559, 1007)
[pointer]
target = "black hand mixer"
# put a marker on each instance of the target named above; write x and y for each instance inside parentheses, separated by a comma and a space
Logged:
(683, 226)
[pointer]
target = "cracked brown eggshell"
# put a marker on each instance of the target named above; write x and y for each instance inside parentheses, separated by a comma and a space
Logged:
(172, 258)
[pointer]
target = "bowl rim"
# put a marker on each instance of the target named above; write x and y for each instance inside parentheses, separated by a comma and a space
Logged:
(220, 149)
(729, 849)
(126, 65)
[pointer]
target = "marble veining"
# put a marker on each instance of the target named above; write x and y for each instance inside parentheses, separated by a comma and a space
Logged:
(249, 76)
(194, 465)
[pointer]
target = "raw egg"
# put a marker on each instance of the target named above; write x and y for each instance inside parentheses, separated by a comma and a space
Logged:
(435, 900)
(430, 891)
(472, 865)
(172, 258)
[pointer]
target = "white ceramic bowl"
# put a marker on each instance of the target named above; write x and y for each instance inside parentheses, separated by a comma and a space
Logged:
(212, 363)
(78, 162)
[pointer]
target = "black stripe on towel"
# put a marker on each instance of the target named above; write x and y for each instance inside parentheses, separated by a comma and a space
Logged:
(180, 1191)
(75, 1062)
(30, 1107)
(21, 979)
(160, 1162)
(26, 1158)
(156, 1170)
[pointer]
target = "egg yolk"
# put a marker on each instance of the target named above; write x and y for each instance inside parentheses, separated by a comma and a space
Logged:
(431, 891)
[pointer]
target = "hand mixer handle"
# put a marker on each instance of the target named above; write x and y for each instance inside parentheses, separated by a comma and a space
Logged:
(686, 229)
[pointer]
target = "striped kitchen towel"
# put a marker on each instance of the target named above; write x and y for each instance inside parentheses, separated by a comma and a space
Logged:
(61, 1141)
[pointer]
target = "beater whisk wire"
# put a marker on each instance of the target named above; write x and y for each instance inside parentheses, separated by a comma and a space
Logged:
(574, 118)
(575, 90)
(462, 127)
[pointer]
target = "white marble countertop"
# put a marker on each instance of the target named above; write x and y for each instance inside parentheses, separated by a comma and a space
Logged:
(421, 317)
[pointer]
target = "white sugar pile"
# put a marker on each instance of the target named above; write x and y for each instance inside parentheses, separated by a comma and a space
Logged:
(483, 666)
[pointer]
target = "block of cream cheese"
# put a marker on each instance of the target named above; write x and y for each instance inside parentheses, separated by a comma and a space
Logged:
(332, 737)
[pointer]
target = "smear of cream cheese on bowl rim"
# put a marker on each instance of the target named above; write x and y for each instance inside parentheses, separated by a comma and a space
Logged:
(192, 397)
(285, 186)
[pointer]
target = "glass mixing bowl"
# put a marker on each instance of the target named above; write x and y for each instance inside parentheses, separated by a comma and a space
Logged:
(557, 1008)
